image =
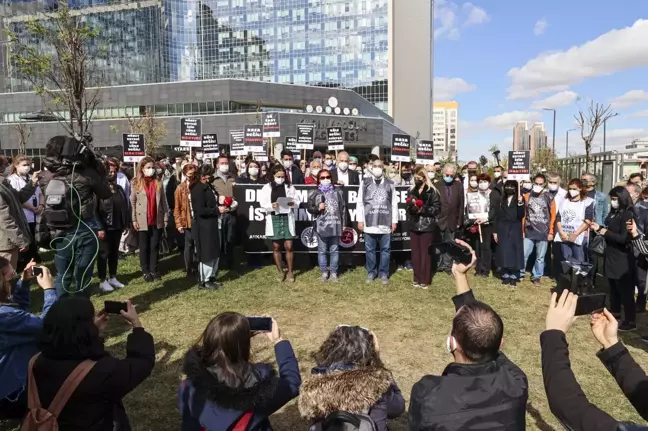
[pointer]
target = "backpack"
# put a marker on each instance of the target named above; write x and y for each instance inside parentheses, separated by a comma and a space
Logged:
(58, 214)
(344, 421)
(41, 419)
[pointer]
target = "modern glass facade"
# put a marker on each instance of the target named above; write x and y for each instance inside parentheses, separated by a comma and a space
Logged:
(333, 43)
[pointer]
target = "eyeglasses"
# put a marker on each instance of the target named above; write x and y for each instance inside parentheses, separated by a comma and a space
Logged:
(325, 178)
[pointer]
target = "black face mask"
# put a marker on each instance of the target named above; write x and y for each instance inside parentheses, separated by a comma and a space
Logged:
(509, 191)
(418, 183)
(407, 175)
(111, 178)
(472, 171)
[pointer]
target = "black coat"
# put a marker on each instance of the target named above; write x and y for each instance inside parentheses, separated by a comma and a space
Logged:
(354, 178)
(425, 221)
(487, 396)
(91, 406)
(618, 255)
(107, 211)
(204, 227)
(296, 176)
(508, 227)
(246, 180)
(452, 205)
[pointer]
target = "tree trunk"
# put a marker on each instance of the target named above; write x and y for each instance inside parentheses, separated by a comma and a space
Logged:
(588, 155)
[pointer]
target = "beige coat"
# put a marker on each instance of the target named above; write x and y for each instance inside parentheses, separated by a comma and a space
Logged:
(138, 204)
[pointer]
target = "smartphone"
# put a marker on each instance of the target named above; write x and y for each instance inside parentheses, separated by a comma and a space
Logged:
(260, 324)
(36, 271)
(588, 304)
(458, 253)
(115, 307)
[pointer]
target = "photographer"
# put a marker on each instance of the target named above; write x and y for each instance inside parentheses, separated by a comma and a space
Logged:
(75, 177)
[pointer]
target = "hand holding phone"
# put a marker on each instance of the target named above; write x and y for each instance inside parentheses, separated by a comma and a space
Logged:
(37, 270)
(604, 328)
(588, 304)
(115, 307)
(260, 324)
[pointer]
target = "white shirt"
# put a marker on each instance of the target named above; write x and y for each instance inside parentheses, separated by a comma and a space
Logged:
(343, 176)
(360, 216)
(18, 182)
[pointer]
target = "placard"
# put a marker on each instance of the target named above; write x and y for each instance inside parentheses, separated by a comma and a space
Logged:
(210, 146)
(291, 145)
(335, 138)
(190, 132)
(477, 205)
(425, 152)
(261, 155)
(305, 136)
(134, 147)
(253, 138)
(237, 143)
(271, 125)
(519, 165)
(401, 148)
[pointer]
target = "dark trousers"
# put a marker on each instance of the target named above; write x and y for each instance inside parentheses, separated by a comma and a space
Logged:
(556, 258)
(189, 248)
(484, 250)
(420, 243)
(445, 261)
(75, 257)
(109, 254)
(17, 408)
(622, 293)
(149, 249)
(640, 282)
(31, 253)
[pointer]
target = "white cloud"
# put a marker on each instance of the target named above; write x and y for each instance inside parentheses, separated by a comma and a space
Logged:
(540, 27)
(639, 114)
(507, 120)
(448, 88)
(449, 17)
(631, 98)
(558, 100)
(611, 52)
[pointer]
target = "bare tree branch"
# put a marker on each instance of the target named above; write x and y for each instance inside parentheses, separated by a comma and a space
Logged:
(589, 124)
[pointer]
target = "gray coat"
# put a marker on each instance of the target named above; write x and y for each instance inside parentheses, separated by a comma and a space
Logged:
(14, 230)
(139, 208)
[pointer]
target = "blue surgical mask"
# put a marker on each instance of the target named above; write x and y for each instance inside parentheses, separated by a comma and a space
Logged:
(448, 179)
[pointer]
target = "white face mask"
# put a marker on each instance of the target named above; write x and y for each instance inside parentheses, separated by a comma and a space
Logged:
(325, 182)
(393, 174)
(473, 184)
(352, 167)
(158, 171)
(149, 172)
(343, 166)
(223, 168)
(497, 174)
(483, 186)
(280, 181)
(614, 204)
(23, 170)
(314, 172)
(378, 172)
(553, 187)
(287, 164)
(526, 186)
(574, 193)
(328, 162)
(254, 172)
(537, 189)
(242, 168)
(430, 175)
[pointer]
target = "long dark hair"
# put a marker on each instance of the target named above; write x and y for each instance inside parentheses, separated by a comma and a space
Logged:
(69, 331)
(516, 195)
(276, 168)
(621, 193)
(225, 344)
(351, 345)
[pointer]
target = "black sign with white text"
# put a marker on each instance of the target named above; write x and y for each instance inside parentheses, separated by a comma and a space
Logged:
(424, 152)
(401, 148)
(335, 138)
(291, 145)
(190, 132)
(253, 138)
(210, 146)
(519, 165)
(271, 125)
(305, 136)
(134, 147)
(237, 143)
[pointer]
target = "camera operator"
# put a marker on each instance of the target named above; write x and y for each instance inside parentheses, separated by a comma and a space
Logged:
(76, 180)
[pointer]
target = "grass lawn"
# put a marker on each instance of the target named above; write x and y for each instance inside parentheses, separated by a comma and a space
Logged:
(411, 325)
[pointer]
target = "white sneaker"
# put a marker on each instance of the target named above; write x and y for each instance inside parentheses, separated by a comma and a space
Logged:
(104, 286)
(114, 283)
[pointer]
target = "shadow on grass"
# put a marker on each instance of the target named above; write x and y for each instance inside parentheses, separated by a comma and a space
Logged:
(538, 419)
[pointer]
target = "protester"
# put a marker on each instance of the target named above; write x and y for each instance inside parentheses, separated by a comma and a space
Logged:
(619, 260)
(183, 215)
(572, 221)
(302, 167)
(328, 207)
(353, 166)
(467, 171)
(170, 184)
(377, 217)
(115, 217)
(473, 184)
(636, 178)
(350, 377)
(345, 173)
(72, 334)
(431, 172)
(405, 177)
(223, 390)
(423, 208)
(538, 225)
(19, 178)
(295, 176)
(150, 215)
(280, 226)
(558, 195)
(224, 185)
(601, 210)
(482, 388)
(252, 174)
(640, 210)
(508, 233)
(498, 180)
(483, 241)
(452, 209)
(19, 330)
(329, 161)
(315, 167)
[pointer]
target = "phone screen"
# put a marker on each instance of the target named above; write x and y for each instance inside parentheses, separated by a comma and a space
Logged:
(588, 304)
(37, 270)
(260, 324)
(114, 307)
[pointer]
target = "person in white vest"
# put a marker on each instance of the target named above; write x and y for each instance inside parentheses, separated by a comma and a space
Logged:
(377, 216)
(280, 224)
(573, 218)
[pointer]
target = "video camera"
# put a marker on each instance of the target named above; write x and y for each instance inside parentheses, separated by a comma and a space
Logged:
(78, 150)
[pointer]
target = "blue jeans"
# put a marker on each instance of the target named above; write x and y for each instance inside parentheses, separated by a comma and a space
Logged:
(573, 251)
(75, 256)
(207, 271)
(541, 250)
(326, 245)
(373, 240)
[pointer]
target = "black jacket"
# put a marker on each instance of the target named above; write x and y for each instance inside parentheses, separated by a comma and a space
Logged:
(296, 176)
(354, 178)
(204, 226)
(452, 205)
(619, 259)
(107, 211)
(91, 406)
(488, 396)
(425, 221)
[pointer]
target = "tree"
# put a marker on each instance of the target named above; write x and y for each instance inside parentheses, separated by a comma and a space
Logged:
(62, 65)
(545, 158)
(589, 122)
(24, 133)
(154, 131)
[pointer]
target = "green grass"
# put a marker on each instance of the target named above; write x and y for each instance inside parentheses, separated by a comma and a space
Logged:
(411, 325)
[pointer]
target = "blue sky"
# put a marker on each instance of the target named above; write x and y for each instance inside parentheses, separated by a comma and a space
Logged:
(505, 60)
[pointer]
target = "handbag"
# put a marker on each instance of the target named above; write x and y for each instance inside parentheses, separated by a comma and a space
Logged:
(597, 245)
(164, 243)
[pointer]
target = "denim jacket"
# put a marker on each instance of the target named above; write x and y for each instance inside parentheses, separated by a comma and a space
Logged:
(601, 208)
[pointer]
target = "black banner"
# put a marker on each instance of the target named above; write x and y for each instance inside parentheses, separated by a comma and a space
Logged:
(335, 138)
(291, 145)
(190, 132)
(237, 143)
(134, 147)
(305, 136)
(424, 152)
(251, 219)
(271, 125)
(210, 146)
(401, 148)
(253, 138)
(519, 165)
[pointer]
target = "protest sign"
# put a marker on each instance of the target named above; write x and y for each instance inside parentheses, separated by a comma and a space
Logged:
(291, 145)
(519, 165)
(253, 138)
(210, 146)
(425, 152)
(134, 147)
(477, 205)
(401, 148)
(237, 143)
(305, 136)
(190, 132)
(335, 138)
(271, 125)
(262, 154)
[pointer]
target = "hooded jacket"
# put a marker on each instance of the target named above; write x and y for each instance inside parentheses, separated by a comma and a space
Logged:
(205, 402)
(345, 388)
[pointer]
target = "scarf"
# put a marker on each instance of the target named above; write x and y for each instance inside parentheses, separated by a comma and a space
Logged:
(326, 189)
(278, 191)
(150, 187)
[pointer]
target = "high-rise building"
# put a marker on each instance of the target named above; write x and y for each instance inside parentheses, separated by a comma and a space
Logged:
(538, 137)
(382, 49)
(525, 139)
(445, 128)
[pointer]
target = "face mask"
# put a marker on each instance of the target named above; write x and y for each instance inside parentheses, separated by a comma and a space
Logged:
(553, 187)
(198, 156)
(448, 179)
(407, 175)
(377, 172)
(287, 164)
(483, 186)
(149, 172)
(242, 168)
(526, 186)
(418, 183)
(319, 160)
(314, 172)
(537, 189)
(328, 162)
(158, 171)
(254, 172)
(473, 184)
(280, 181)
(614, 204)
(472, 171)
(343, 166)
(325, 182)
(497, 174)
(223, 168)
(353, 167)
(509, 191)
(574, 193)
(23, 170)
(430, 175)
(393, 174)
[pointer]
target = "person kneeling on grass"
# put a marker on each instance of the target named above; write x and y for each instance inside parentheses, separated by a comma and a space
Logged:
(350, 378)
(482, 389)
(18, 334)
(565, 396)
(223, 390)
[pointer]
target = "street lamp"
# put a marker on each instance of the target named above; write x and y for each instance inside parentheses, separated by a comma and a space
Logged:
(605, 129)
(567, 142)
(554, 128)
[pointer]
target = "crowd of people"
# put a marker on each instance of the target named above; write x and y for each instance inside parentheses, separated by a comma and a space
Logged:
(93, 210)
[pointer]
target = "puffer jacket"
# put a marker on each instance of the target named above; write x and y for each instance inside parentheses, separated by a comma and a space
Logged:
(425, 221)
(182, 210)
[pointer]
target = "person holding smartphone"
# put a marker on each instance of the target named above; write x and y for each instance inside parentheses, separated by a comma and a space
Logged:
(280, 224)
